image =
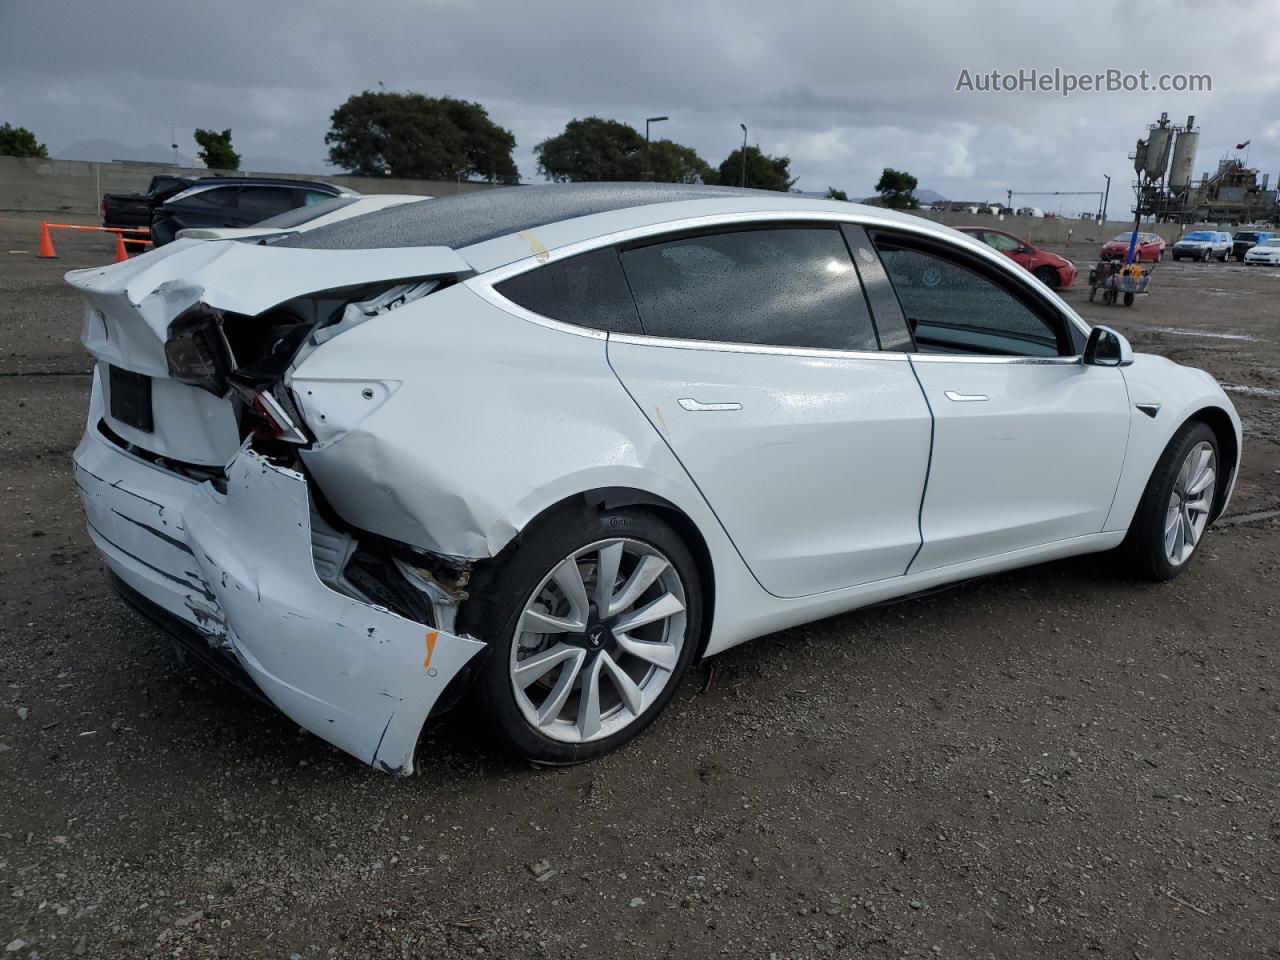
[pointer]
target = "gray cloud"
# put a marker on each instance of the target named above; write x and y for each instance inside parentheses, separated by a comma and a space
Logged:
(842, 88)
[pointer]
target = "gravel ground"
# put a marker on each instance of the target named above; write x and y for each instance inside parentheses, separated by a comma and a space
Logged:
(1054, 762)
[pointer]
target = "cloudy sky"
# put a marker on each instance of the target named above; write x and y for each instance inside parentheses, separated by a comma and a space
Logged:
(842, 88)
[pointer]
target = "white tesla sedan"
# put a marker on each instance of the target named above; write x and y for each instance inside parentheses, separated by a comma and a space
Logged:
(552, 444)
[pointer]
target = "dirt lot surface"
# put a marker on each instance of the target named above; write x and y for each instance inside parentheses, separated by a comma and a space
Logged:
(1055, 762)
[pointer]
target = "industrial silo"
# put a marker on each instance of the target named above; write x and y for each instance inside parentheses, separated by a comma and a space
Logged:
(1184, 156)
(1140, 157)
(1158, 143)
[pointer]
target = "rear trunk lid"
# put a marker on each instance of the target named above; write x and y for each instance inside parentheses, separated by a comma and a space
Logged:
(130, 309)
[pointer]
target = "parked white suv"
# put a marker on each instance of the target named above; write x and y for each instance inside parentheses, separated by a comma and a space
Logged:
(1203, 244)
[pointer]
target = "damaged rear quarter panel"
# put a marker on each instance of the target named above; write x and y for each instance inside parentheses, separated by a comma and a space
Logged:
(357, 675)
(494, 419)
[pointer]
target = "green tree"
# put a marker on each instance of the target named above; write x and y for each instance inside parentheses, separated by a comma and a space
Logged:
(595, 149)
(21, 142)
(763, 171)
(414, 135)
(215, 150)
(895, 189)
(672, 162)
(592, 149)
(834, 194)
(488, 146)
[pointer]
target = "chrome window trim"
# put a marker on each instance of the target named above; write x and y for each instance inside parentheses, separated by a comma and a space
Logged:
(982, 358)
(484, 283)
(721, 346)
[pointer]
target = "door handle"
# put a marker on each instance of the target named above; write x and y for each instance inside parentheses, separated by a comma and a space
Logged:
(965, 397)
(693, 406)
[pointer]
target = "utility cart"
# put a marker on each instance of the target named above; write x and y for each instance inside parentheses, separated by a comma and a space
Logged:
(1115, 279)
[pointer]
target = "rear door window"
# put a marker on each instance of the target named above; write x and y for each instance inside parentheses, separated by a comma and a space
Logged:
(258, 203)
(588, 290)
(776, 286)
(215, 198)
(311, 197)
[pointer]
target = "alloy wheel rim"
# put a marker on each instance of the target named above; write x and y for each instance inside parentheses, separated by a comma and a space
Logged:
(1189, 503)
(598, 640)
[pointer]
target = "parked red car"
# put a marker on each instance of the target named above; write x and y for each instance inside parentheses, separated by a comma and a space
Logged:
(1049, 268)
(1150, 247)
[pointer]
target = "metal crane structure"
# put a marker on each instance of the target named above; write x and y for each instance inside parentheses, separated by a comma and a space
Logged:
(1166, 192)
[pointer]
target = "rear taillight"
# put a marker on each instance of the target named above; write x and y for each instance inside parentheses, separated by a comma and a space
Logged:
(267, 417)
(197, 352)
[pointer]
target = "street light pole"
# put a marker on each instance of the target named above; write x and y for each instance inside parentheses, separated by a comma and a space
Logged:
(744, 154)
(648, 171)
(1106, 196)
(173, 143)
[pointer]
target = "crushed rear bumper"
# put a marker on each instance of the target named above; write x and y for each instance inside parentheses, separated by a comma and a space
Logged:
(237, 568)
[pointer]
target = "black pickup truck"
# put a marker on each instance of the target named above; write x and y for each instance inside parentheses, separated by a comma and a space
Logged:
(135, 209)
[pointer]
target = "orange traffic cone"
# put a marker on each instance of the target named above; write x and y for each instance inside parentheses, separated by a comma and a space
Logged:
(46, 244)
(121, 252)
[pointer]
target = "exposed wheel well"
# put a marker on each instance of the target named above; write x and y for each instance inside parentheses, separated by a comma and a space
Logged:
(610, 498)
(1220, 423)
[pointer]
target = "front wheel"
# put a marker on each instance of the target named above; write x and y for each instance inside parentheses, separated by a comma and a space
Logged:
(1174, 511)
(592, 620)
(1049, 277)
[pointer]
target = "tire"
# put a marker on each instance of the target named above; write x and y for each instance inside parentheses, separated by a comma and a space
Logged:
(1128, 299)
(1159, 256)
(1049, 277)
(1176, 258)
(1149, 552)
(535, 579)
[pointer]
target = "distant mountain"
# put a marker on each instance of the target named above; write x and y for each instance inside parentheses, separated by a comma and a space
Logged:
(924, 197)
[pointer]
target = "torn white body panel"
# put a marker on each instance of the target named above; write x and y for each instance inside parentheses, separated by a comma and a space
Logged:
(237, 566)
(456, 456)
(129, 307)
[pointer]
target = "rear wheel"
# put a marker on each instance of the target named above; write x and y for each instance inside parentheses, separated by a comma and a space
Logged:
(592, 621)
(1174, 511)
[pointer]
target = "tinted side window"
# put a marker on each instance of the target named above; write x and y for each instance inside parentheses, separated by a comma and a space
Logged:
(998, 241)
(789, 287)
(263, 202)
(588, 290)
(216, 198)
(953, 309)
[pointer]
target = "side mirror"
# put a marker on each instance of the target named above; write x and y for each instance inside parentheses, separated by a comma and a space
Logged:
(1106, 348)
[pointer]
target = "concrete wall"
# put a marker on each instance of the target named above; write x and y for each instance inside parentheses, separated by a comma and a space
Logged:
(1053, 230)
(75, 187)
